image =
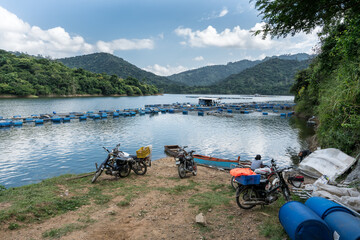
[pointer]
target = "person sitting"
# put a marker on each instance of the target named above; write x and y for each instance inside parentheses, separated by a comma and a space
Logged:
(303, 154)
(257, 163)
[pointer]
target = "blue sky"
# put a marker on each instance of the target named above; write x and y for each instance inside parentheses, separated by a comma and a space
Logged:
(161, 36)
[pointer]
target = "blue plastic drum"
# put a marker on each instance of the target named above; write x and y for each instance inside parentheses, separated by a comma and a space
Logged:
(301, 223)
(343, 225)
(322, 206)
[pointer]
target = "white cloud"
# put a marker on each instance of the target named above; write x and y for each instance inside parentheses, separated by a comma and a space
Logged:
(238, 38)
(199, 58)
(216, 14)
(223, 12)
(165, 70)
(17, 35)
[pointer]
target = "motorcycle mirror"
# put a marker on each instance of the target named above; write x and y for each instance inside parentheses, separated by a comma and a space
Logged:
(118, 145)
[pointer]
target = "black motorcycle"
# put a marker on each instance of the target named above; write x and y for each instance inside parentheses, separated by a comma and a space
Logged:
(119, 164)
(248, 196)
(185, 162)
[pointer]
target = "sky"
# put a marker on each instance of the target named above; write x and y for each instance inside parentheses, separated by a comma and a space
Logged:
(161, 36)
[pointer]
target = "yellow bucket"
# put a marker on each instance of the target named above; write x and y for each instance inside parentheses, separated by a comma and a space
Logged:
(143, 152)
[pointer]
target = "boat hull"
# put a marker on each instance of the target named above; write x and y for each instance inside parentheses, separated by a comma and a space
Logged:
(215, 162)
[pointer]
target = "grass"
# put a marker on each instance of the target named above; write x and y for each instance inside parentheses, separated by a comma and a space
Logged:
(220, 194)
(62, 231)
(179, 188)
(38, 202)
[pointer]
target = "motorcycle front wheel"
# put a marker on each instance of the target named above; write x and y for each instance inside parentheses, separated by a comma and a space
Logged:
(286, 193)
(139, 168)
(181, 170)
(233, 183)
(125, 170)
(245, 194)
(96, 175)
(194, 169)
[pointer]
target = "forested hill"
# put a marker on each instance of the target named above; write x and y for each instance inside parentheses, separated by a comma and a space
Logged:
(25, 75)
(274, 76)
(211, 74)
(110, 64)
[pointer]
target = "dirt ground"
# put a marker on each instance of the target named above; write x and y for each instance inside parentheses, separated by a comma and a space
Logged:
(152, 214)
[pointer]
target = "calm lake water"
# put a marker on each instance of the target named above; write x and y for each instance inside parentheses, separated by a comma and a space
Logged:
(32, 153)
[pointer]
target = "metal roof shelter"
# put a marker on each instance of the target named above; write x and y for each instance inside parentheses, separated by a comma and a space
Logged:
(205, 101)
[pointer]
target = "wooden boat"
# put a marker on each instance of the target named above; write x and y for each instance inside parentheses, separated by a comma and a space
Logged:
(172, 150)
(220, 163)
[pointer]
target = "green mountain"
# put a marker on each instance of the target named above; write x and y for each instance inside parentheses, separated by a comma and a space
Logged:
(110, 64)
(274, 76)
(25, 75)
(209, 75)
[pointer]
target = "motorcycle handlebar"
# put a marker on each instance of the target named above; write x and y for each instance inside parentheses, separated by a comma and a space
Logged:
(106, 149)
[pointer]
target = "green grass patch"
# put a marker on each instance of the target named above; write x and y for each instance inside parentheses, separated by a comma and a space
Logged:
(179, 188)
(270, 226)
(62, 231)
(222, 195)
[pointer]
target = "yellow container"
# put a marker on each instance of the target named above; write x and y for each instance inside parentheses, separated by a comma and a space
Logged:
(143, 152)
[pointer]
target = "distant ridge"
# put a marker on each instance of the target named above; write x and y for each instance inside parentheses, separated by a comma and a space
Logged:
(210, 75)
(110, 64)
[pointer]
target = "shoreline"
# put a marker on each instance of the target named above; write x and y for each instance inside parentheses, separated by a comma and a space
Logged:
(71, 96)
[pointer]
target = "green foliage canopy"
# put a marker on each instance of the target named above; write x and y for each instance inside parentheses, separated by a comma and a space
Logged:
(25, 75)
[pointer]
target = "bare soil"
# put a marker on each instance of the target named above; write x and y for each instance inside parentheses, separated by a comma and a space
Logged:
(153, 214)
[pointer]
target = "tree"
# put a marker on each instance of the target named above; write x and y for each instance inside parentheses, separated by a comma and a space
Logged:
(285, 17)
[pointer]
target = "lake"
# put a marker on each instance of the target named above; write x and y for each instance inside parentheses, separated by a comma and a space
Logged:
(32, 153)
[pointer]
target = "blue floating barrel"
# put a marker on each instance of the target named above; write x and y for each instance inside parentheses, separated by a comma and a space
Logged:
(344, 225)
(5, 124)
(237, 108)
(126, 114)
(275, 111)
(72, 116)
(39, 121)
(322, 206)
(200, 113)
(282, 114)
(103, 115)
(265, 113)
(142, 113)
(17, 123)
(147, 111)
(162, 110)
(229, 110)
(56, 119)
(290, 114)
(300, 222)
(96, 116)
(90, 112)
(185, 112)
(116, 114)
(132, 113)
(66, 119)
(259, 110)
(82, 118)
(246, 112)
(171, 110)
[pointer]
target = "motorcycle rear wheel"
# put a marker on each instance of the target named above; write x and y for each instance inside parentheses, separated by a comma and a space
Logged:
(96, 175)
(182, 171)
(125, 170)
(139, 168)
(245, 194)
(286, 193)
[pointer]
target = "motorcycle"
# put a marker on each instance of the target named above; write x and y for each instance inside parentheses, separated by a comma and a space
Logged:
(120, 164)
(265, 172)
(185, 162)
(248, 196)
